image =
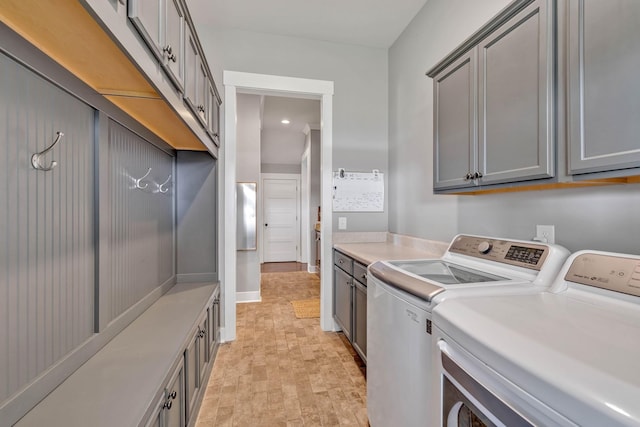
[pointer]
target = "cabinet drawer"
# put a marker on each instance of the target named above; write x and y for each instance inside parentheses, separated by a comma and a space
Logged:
(343, 261)
(360, 272)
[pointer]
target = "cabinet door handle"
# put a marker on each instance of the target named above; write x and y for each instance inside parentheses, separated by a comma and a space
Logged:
(467, 177)
(167, 405)
(168, 49)
(477, 175)
(173, 395)
(172, 58)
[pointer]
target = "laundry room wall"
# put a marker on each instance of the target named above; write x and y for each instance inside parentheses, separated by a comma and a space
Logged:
(602, 218)
(360, 103)
(248, 170)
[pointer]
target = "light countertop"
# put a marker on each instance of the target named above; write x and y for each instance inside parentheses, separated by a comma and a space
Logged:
(395, 247)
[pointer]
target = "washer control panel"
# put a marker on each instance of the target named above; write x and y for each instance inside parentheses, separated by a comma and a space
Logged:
(615, 273)
(521, 254)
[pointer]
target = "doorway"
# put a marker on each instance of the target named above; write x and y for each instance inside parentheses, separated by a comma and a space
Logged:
(281, 216)
(238, 82)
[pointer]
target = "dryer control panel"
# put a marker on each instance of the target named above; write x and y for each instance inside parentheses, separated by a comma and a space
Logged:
(517, 253)
(615, 273)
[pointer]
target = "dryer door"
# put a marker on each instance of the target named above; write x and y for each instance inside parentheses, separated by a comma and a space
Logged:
(466, 403)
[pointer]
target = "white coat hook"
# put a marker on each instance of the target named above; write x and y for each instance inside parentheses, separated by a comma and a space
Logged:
(35, 159)
(161, 187)
(141, 187)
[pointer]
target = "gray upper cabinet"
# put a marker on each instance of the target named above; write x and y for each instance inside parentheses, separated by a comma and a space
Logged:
(161, 25)
(494, 103)
(603, 86)
(146, 16)
(213, 108)
(191, 69)
(516, 139)
(202, 92)
(174, 43)
(455, 123)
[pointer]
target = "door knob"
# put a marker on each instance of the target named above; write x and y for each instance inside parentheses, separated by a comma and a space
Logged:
(266, 225)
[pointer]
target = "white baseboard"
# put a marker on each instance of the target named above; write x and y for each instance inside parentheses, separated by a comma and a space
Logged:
(312, 268)
(248, 297)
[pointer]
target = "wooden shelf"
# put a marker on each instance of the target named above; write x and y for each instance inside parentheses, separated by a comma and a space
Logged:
(67, 33)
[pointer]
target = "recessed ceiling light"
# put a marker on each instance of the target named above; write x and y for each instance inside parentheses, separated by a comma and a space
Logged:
(285, 121)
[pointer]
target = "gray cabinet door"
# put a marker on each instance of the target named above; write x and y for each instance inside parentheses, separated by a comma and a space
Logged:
(146, 17)
(360, 320)
(47, 222)
(342, 291)
(174, 409)
(203, 351)
(516, 138)
(202, 92)
(603, 85)
(174, 42)
(455, 123)
(191, 374)
(191, 69)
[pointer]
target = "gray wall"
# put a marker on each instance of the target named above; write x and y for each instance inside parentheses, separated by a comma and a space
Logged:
(360, 103)
(597, 217)
(248, 170)
(315, 191)
(197, 186)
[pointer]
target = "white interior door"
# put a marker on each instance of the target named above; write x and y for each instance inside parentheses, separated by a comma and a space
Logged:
(281, 229)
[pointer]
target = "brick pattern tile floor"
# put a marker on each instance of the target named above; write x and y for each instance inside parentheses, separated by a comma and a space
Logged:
(283, 371)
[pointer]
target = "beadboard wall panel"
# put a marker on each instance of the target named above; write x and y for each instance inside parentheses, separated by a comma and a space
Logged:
(141, 235)
(46, 226)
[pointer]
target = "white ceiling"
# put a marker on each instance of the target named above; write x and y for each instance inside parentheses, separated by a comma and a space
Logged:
(374, 23)
(299, 111)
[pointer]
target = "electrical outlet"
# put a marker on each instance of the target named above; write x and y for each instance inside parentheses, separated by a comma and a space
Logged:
(342, 223)
(545, 233)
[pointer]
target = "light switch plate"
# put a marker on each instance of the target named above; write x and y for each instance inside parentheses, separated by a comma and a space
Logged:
(342, 223)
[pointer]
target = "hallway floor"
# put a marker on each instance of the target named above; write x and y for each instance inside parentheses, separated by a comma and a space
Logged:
(284, 371)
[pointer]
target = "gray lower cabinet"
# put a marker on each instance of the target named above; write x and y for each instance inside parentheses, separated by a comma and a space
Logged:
(360, 311)
(342, 291)
(603, 86)
(170, 408)
(493, 104)
(47, 221)
(350, 300)
(196, 358)
(214, 322)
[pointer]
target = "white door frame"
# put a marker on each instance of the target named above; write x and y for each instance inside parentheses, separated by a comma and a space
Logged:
(305, 226)
(264, 176)
(235, 81)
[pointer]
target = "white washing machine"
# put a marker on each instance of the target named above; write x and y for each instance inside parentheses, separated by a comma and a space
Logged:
(401, 296)
(566, 357)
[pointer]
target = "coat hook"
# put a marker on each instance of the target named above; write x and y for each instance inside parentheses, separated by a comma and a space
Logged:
(141, 178)
(160, 186)
(35, 159)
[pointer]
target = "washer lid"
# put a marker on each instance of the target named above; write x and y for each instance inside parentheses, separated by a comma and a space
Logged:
(577, 354)
(413, 285)
(446, 273)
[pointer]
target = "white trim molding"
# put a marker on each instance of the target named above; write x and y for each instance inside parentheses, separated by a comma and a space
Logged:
(263, 84)
(244, 297)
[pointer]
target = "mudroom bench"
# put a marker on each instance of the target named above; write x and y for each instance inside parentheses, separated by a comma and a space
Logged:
(153, 373)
